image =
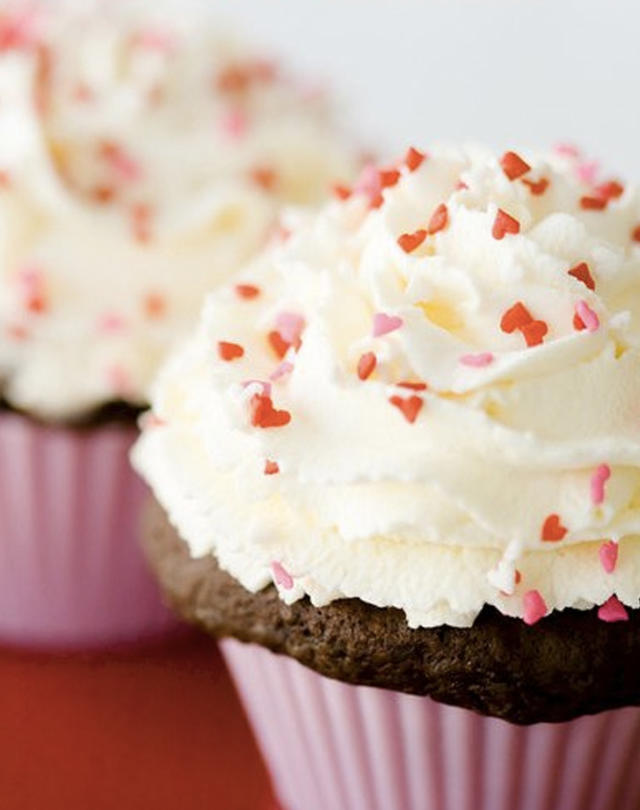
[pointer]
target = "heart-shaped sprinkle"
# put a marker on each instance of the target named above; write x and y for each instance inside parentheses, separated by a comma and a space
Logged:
(366, 365)
(503, 224)
(247, 291)
(534, 607)
(410, 241)
(414, 159)
(383, 324)
(552, 529)
(588, 203)
(388, 177)
(409, 407)
(513, 165)
(477, 360)
(613, 611)
(271, 467)
(635, 234)
(154, 305)
(281, 576)
(582, 273)
(515, 317)
(534, 332)
(578, 325)
(278, 344)
(229, 351)
(264, 415)
(608, 553)
(235, 124)
(536, 187)
(439, 219)
(610, 190)
(587, 316)
(598, 480)
(264, 177)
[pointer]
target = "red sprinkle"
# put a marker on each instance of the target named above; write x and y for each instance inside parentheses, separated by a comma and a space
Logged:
(264, 177)
(388, 177)
(410, 241)
(229, 351)
(610, 190)
(366, 365)
(582, 273)
(341, 192)
(635, 234)
(515, 317)
(264, 415)
(593, 203)
(534, 332)
(247, 291)
(552, 529)
(271, 467)
(613, 611)
(535, 608)
(439, 219)
(154, 305)
(513, 165)
(279, 345)
(414, 159)
(413, 386)
(578, 324)
(503, 224)
(410, 407)
(537, 187)
(608, 553)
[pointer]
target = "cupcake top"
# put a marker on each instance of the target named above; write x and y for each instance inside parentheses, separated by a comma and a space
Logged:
(427, 397)
(143, 158)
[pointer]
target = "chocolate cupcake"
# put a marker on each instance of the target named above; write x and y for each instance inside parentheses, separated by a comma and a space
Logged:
(406, 473)
(143, 158)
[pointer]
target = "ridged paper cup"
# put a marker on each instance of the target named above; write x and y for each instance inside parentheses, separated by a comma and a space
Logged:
(333, 746)
(72, 574)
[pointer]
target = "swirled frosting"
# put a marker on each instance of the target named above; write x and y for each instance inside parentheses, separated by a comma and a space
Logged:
(428, 397)
(142, 160)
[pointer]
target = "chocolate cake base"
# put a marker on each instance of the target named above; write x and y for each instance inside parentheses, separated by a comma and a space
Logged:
(117, 411)
(569, 664)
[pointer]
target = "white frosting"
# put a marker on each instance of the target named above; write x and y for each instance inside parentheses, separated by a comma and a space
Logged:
(432, 516)
(134, 158)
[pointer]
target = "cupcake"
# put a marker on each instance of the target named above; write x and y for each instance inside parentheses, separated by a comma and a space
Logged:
(408, 500)
(142, 159)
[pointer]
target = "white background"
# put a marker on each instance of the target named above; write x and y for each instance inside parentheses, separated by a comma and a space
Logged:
(503, 72)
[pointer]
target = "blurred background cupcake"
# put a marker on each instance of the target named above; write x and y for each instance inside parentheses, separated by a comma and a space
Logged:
(144, 155)
(420, 471)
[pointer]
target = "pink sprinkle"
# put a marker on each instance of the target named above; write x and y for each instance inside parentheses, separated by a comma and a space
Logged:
(567, 149)
(111, 322)
(613, 611)
(281, 371)
(587, 316)
(266, 386)
(234, 124)
(155, 40)
(383, 324)
(119, 379)
(369, 182)
(608, 554)
(477, 360)
(290, 326)
(587, 171)
(598, 480)
(281, 576)
(121, 162)
(535, 608)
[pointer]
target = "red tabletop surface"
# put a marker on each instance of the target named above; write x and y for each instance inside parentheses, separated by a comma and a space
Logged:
(159, 728)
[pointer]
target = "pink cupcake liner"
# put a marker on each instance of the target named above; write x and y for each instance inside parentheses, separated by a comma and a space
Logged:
(72, 574)
(333, 746)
